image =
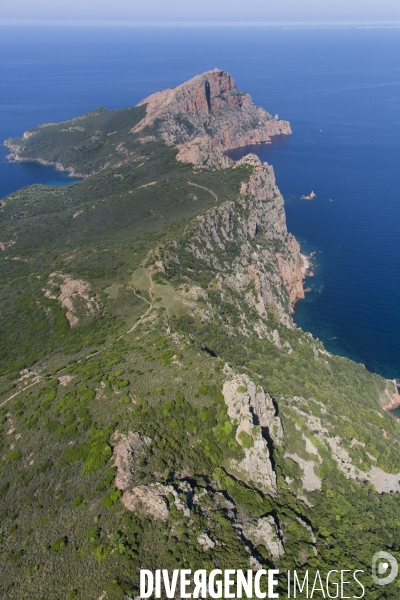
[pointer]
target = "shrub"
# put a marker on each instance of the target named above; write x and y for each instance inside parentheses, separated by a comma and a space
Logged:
(4, 487)
(102, 552)
(222, 431)
(60, 544)
(92, 533)
(246, 440)
(112, 498)
(15, 455)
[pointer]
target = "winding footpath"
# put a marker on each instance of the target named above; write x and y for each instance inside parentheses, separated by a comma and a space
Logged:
(203, 187)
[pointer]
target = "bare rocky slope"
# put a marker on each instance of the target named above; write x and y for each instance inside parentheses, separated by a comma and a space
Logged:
(267, 269)
(209, 105)
(206, 116)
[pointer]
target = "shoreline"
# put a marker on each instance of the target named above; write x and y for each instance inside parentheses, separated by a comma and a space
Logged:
(307, 266)
(13, 157)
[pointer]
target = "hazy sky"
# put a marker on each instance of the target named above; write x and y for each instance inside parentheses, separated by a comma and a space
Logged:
(192, 11)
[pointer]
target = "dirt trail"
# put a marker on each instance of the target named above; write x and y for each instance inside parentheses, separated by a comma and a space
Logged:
(204, 188)
(19, 392)
(151, 304)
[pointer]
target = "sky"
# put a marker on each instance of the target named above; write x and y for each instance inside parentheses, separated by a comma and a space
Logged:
(191, 12)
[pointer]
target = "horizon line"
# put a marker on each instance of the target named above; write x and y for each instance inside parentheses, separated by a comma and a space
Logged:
(190, 24)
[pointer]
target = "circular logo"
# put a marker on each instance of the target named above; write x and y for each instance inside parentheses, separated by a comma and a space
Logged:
(384, 568)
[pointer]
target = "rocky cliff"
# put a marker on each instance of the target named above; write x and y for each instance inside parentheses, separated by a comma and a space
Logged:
(208, 115)
(248, 246)
(208, 112)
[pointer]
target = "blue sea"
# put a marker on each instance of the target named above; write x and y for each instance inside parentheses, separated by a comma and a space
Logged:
(339, 88)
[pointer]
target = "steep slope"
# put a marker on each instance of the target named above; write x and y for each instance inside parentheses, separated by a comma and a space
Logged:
(158, 405)
(209, 107)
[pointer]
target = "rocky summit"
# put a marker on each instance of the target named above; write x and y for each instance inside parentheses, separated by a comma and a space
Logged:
(210, 105)
(159, 407)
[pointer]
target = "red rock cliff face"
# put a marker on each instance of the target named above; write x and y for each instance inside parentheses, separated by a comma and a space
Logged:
(203, 93)
(255, 221)
(208, 111)
(290, 269)
(220, 82)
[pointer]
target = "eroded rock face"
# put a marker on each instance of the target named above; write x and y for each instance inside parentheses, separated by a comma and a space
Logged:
(253, 411)
(129, 450)
(149, 499)
(202, 152)
(8, 244)
(390, 398)
(290, 267)
(264, 532)
(209, 106)
(74, 295)
(153, 500)
(205, 541)
(202, 93)
(309, 479)
(382, 481)
(267, 270)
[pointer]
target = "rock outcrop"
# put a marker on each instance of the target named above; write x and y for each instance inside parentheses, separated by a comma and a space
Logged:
(265, 532)
(74, 295)
(390, 398)
(309, 478)
(252, 410)
(266, 269)
(382, 481)
(212, 115)
(202, 152)
(148, 499)
(127, 453)
(205, 541)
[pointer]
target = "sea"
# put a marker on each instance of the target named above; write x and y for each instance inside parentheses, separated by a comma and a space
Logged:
(340, 90)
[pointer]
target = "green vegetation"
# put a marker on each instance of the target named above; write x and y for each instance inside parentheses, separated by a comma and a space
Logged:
(85, 143)
(139, 350)
(246, 440)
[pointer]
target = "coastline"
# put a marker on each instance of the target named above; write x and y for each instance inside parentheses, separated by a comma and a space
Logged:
(307, 265)
(13, 157)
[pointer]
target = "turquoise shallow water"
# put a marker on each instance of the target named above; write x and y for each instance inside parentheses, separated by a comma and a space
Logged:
(339, 88)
